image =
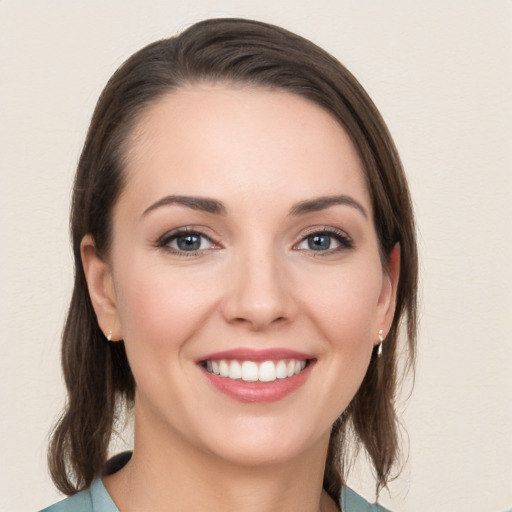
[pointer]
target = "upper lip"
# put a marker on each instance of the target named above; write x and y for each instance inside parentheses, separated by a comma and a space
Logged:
(248, 354)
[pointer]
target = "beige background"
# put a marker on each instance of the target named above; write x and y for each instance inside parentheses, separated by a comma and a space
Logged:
(441, 73)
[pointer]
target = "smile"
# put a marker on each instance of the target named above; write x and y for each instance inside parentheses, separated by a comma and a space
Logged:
(257, 376)
(251, 371)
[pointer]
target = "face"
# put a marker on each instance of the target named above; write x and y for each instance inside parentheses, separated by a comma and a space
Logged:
(244, 274)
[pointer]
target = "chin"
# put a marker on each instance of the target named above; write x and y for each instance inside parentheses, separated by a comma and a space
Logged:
(264, 442)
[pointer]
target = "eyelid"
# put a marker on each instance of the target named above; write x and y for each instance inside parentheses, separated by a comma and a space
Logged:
(340, 235)
(163, 241)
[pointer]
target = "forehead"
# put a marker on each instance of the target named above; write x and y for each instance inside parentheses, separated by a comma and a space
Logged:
(209, 138)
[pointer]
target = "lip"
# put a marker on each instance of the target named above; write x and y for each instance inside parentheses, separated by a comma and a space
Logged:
(258, 356)
(257, 392)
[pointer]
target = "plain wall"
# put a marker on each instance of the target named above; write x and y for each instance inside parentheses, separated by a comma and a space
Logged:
(441, 73)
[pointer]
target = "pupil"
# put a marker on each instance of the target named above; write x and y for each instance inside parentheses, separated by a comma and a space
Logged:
(189, 242)
(319, 242)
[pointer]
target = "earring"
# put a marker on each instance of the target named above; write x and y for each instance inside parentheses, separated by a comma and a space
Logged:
(381, 339)
(109, 336)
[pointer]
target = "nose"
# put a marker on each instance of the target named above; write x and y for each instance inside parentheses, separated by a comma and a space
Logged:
(259, 294)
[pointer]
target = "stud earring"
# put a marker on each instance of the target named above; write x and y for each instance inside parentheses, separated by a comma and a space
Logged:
(381, 339)
(109, 336)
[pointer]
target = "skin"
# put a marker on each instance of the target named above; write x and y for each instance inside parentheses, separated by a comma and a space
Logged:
(255, 282)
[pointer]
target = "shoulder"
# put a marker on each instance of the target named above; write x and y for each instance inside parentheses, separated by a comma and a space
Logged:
(80, 502)
(94, 499)
(352, 502)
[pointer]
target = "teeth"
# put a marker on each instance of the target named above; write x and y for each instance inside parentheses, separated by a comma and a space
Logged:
(267, 372)
(223, 368)
(235, 370)
(249, 371)
(281, 370)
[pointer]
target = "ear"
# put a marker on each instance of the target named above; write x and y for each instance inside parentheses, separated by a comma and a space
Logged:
(387, 298)
(100, 283)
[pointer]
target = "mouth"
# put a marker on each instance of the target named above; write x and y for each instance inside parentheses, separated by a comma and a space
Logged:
(253, 371)
(257, 375)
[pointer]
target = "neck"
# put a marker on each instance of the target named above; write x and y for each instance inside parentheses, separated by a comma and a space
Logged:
(169, 473)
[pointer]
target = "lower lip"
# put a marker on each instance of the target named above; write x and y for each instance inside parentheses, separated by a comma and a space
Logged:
(259, 392)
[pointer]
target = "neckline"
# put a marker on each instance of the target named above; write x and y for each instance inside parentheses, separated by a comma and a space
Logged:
(102, 499)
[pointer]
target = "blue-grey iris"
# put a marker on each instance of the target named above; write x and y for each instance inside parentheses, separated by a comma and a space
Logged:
(189, 242)
(319, 242)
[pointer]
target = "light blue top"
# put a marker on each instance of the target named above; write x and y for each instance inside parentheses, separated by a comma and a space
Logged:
(94, 499)
(97, 499)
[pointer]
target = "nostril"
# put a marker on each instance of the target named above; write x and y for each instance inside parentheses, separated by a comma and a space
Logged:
(257, 304)
(258, 323)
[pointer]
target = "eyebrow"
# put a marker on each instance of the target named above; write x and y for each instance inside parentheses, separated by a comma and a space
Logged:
(217, 208)
(321, 203)
(195, 203)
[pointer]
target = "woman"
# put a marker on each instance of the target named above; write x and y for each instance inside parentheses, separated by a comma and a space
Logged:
(245, 253)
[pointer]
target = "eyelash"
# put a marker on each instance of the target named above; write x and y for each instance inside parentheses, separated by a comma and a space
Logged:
(345, 242)
(165, 241)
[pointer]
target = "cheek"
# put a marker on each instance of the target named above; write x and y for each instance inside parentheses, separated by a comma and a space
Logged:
(345, 314)
(345, 308)
(160, 309)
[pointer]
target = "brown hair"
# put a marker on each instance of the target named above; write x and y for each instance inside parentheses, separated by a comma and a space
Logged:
(97, 374)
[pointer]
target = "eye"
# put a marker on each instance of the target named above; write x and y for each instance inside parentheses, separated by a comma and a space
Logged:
(325, 241)
(186, 241)
(318, 242)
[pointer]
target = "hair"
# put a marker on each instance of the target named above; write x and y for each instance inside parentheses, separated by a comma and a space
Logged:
(234, 51)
